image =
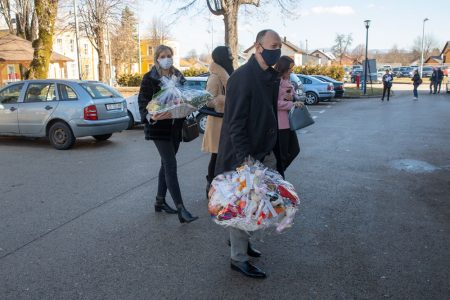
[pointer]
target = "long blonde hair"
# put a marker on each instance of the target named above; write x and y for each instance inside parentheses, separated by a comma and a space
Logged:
(158, 51)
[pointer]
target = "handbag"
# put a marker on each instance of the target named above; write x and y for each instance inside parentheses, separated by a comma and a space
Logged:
(299, 117)
(209, 111)
(190, 130)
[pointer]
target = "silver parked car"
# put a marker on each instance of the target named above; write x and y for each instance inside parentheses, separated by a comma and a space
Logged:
(316, 90)
(61, 110)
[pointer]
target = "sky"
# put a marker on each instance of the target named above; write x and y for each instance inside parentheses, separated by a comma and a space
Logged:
(394, 22)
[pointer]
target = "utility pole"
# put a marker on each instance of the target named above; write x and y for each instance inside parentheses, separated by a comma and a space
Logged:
(77, 34)
(366, 63)
(423, 40)
(109, 54)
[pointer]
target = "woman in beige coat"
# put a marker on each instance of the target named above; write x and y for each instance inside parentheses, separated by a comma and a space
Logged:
(220, 70)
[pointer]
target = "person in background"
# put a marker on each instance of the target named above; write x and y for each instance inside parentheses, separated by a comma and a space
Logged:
(289, 146)
(440, 77)
(387, 84)
(220, 70)
(433, 81)
(250, 128)
(416, 82)
(165, 133)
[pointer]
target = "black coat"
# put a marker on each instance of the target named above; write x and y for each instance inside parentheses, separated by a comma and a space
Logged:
(416, 79)
(163, 129)
(250, 125)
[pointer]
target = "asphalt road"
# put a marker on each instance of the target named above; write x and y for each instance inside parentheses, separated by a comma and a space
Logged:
(374, 222)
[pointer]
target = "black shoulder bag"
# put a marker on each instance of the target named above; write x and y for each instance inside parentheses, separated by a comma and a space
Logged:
(190, 130)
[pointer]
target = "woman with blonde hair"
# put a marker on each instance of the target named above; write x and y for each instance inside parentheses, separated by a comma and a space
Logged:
(165, 133)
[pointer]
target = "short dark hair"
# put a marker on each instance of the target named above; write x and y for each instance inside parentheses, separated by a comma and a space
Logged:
(262, 33)
(283, 64)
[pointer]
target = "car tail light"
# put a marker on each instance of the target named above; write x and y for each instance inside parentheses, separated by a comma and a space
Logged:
(90, 113)
(339, 87)
(330, 88)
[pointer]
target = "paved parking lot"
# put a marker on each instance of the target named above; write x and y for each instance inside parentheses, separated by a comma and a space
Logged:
(374, 223)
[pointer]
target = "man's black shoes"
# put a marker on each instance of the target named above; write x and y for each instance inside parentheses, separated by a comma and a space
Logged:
(247, 269)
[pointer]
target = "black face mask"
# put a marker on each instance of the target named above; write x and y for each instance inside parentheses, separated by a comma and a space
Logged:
(271, 57)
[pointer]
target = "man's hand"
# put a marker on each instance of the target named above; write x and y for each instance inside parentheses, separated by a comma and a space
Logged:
(162, 116)
(299, 104)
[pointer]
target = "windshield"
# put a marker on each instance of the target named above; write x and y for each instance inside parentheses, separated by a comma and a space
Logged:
(99, 90)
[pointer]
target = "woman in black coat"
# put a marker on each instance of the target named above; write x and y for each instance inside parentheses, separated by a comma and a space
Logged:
(165, 133)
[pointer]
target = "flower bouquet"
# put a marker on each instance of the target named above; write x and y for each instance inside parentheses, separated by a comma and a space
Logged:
(253, 197)
(177, 100)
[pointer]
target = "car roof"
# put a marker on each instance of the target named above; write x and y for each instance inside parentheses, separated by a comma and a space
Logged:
(58, 81)
(197, 78)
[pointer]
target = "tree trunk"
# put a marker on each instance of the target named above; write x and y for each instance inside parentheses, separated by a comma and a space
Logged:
(46, 14)
(101, 53)
(231, 31)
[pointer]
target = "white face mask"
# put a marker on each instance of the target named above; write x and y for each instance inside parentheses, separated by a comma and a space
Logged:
(166, 62)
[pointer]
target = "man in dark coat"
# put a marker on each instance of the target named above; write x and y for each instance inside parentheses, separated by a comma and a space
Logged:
(440, 77)
(250, 128)
(433, 81)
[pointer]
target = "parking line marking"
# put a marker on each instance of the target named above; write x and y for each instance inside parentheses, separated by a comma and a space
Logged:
(314, 117)
(328, 106)
(322, 111)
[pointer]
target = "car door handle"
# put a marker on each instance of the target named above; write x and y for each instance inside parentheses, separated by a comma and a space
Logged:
(48, 107)
(12, 108)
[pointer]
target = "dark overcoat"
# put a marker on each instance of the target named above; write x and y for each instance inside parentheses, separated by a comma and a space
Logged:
(162, 129)
(250, 125)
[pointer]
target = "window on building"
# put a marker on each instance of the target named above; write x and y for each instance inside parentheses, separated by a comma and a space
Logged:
(86, 49)
(72, 47)
(73, 70)
(150, 50)
(59, 44)
(86, 71)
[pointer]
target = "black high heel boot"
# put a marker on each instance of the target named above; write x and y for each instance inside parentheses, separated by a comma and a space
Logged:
(184, 216)
(161, 205)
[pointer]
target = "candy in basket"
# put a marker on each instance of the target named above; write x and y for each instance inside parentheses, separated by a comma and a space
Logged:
(176, 99)
(253, 197)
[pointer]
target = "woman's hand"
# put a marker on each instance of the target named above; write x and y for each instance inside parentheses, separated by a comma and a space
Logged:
(289, 97)
(162, 116)
(299, 104)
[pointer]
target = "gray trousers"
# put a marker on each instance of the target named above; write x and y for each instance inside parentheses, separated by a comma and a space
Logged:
(239, 239)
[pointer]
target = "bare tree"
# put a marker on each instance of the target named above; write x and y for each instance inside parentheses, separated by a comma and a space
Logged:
(342, 43)
(124, 45)
(158, 31)
(359, 52)
(430, 42)
(229, 10)
(46, 11)
(20, 18)
(8, 14)
(96, 16)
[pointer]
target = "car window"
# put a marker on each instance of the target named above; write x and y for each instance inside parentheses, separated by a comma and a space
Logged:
(197, 85)
(40, 92)
(66, 92)
(308, 81)
(10, 94)
(99, 90)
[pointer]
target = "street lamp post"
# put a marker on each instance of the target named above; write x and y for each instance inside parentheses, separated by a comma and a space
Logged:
(366, 63)
(423, 41)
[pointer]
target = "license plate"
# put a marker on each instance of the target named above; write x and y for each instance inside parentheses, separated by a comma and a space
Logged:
(114, 106)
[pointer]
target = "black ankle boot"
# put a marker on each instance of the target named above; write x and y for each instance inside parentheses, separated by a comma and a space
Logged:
(161, 205)
(184, 216)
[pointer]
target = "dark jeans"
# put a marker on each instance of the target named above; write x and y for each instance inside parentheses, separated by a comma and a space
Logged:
(388, 89)
(438, 86)
(289, 148)
(168, 178)
(211, 167)
(415, 91)
(433, 87)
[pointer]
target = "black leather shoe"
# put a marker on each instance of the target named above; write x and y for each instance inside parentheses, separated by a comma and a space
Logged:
(250, 250)
(161, 205)
(247, 269)
(208, 186)
(184, 216)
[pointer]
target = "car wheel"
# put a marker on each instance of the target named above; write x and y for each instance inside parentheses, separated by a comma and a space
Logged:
(102, 137)
(61, 136)
(131, 121)
(201, 120)
(311, 98)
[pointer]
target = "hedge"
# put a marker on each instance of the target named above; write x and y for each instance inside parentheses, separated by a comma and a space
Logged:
(335, 72)
(129, 79)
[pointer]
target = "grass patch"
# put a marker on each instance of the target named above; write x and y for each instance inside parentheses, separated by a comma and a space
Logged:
(354, 92)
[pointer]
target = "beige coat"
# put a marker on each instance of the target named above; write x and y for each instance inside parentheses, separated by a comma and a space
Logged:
(217, 82)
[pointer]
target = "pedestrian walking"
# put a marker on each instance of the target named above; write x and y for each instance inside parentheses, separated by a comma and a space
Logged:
(416, 82)
(250, 128)
(387, 84)
(287, 139)
(164, 132)
(220, 70)
(440, 77)
(433, 81)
